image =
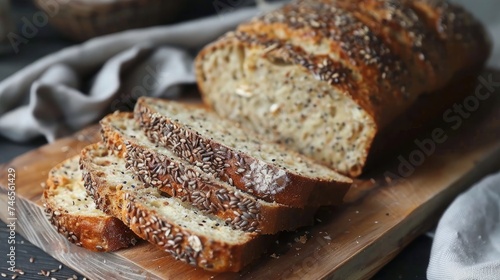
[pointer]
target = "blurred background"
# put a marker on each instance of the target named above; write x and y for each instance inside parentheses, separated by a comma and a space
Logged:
(79, 20)
(69, 22)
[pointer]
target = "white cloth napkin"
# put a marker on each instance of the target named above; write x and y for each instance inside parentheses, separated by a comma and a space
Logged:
(467, 241)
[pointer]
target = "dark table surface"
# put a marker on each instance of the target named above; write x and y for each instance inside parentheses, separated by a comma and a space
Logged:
(30, 260)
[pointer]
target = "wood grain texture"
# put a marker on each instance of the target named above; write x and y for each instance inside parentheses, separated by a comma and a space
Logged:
(349, 242)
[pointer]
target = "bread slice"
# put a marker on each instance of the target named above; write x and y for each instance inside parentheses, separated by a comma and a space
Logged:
(158, 167)
(237, 156)
(74, 213)
(197, 239)
(325, 77)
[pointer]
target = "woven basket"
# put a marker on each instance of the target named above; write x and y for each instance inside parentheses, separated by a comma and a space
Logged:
(83, 19)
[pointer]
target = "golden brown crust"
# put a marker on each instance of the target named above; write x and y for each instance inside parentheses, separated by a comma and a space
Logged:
(405, 34)
(101, 233)
(467, 43)
(196, 250)
(231, 166)
(243, 211)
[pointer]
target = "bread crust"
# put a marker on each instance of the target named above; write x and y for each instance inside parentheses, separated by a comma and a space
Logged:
(235, 167)
(386, 52)
(102, 233)
(180, 242)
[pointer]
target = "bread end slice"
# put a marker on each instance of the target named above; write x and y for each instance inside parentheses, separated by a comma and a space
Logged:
(74, 213)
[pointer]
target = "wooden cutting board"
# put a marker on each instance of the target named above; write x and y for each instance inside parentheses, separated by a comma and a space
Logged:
(380, 217)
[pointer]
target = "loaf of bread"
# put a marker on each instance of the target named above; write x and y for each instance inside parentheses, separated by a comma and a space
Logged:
(74, 213)
(160, 168)
(197, 239)
(238, 156)
(324, 77)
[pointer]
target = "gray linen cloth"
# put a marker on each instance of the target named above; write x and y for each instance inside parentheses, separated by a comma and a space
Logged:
(46, 98)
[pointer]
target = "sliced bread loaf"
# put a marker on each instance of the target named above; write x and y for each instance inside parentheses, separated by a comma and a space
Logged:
(74, 213)
(325, 77)
(158, 167)
(197, 239)
(237, 156)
